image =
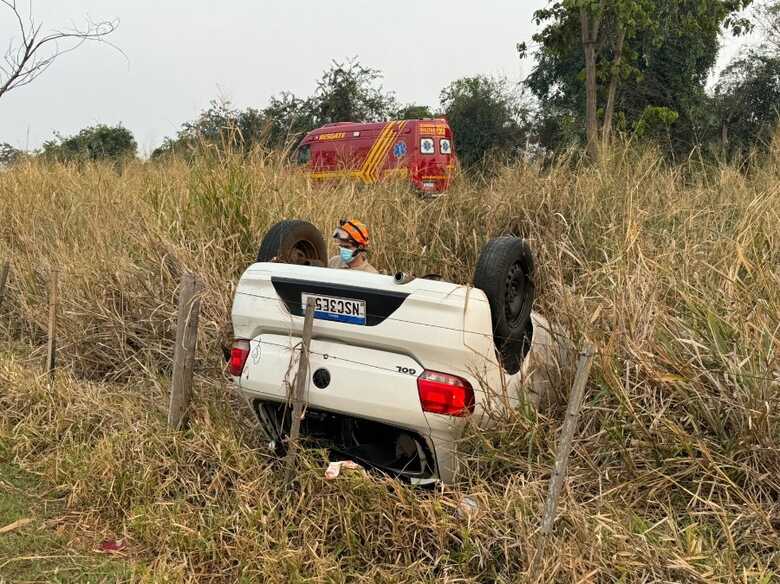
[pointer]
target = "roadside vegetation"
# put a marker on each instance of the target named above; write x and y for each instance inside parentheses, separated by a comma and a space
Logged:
(671, 270)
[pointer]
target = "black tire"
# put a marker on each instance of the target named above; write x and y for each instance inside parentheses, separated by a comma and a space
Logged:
(505, 272)
(293, 241)
(513, 350)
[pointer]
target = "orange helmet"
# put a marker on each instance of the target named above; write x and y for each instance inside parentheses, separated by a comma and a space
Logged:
(354, 230)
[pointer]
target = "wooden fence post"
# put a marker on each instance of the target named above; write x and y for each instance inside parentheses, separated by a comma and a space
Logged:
(184, 352)
(3, 279)
(51, 347)
(300, 387)
(562, 455)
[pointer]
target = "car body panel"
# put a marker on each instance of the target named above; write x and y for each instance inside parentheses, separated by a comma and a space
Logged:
(368, 383)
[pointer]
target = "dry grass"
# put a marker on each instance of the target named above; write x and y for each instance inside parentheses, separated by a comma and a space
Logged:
(674, 272)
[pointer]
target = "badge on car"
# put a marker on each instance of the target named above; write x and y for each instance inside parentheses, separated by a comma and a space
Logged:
(337, 309)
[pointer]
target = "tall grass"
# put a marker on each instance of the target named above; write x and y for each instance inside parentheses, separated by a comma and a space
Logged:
(673, 271)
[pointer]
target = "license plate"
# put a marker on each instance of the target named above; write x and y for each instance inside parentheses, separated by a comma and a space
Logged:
(337, 309)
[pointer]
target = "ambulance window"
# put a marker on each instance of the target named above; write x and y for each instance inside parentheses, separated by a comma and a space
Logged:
(426, 146)
(444, 146)
(304, 154)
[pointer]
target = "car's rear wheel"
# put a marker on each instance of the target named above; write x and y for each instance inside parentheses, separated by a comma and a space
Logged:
(504, 272)
(293, 241)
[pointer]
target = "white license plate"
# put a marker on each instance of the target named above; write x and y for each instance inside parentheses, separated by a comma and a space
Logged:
(336, 309)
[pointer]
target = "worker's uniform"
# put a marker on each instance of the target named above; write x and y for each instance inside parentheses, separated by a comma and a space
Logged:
(337, 262)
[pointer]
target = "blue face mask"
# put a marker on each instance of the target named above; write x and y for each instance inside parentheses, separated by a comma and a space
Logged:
(347, 255)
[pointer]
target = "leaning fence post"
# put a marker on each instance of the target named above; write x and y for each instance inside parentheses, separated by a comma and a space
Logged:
(564, 449)
(184, 352)
(51, 347)
(300, 387)
(3, 279)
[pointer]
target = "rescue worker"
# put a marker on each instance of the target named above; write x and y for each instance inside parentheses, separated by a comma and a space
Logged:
(351, 237)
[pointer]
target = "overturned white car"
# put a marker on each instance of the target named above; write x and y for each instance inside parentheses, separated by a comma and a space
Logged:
(398, 365)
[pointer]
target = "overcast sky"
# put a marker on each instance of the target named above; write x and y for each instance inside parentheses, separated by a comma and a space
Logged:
(179, 54)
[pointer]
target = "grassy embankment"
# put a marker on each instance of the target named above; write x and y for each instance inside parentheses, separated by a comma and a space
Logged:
(675, 476)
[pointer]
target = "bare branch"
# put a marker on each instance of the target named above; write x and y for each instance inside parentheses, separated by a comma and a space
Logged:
(27, 60)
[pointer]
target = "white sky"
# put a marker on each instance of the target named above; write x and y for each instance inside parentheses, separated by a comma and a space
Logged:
(182, 53)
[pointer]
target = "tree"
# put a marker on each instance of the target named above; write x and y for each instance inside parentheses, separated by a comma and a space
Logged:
(289, 118)
(220, 126)
(8, 154)
(486, 116)
(99, 142)
(604, 27)
(24, 61)
(768, 19)
(347, 92)
(748, 100)
(666, 48)
(413, 112)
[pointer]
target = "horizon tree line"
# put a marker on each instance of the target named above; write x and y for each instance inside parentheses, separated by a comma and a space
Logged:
(637, 68)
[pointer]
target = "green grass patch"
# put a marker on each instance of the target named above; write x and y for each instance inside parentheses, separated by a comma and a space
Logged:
(38, 551)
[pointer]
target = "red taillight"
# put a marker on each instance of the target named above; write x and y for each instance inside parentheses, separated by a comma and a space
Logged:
(238, 355)
(441, 393)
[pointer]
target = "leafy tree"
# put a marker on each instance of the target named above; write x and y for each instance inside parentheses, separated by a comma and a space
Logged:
(99, 142)
(413, 112)
(768, 18)
(289, 118)
(665, 48)
(220, 126)
(486, 116)
(655, 122)
(748, 100)
(9, 154)
(347, 92)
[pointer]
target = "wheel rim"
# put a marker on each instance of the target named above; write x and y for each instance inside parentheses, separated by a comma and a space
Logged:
(514, 294)
(303, 253)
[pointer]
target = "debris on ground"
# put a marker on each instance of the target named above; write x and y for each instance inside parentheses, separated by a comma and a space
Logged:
(467, 508)
(15, 525)
(334, 468)
(112, 546)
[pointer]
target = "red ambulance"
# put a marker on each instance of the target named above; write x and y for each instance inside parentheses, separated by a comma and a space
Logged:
(420, 151)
